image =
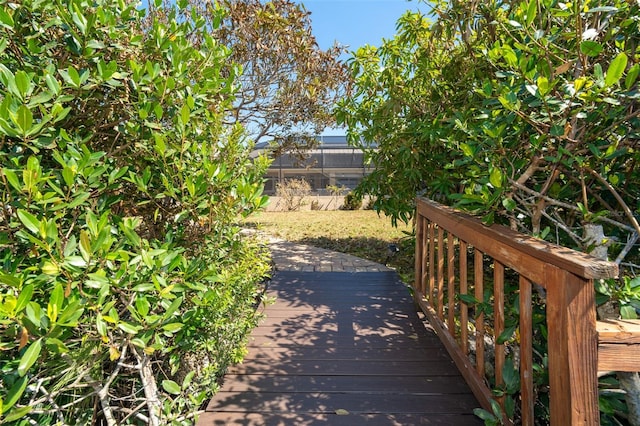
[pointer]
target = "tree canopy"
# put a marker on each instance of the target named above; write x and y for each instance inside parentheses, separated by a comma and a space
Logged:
(286, 84)
(520, 111)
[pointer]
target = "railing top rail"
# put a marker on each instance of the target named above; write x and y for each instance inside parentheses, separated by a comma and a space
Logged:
(513, 248)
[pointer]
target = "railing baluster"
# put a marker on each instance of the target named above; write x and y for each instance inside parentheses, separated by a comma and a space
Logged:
(464, 308)
(526, 352)
(419, 278)
(479, 295)
(432, 248)
(567, 277)
(441, 273)
(498, 325)
(451, 285)
(417, 283)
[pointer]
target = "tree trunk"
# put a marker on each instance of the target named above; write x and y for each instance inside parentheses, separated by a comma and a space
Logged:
(596, 240)
(150, 388)
(630, 382)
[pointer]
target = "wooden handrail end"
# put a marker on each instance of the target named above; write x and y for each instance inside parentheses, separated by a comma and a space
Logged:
(618, 345)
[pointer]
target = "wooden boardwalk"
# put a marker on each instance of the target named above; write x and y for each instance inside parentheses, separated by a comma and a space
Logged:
(340, 348)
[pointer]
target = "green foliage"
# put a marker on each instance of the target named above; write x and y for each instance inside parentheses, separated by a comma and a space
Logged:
(626, 292)
(612, 402)
(287, 85)
(123, 279)
(493, 418)
(517, 111)
(523, 112)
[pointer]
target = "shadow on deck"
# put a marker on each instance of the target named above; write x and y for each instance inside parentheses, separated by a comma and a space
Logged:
(340, 348)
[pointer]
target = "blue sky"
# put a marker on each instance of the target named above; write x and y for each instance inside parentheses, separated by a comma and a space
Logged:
(354, 23)
(357, 22)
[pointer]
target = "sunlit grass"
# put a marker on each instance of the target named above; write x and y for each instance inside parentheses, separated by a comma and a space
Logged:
(360, 233)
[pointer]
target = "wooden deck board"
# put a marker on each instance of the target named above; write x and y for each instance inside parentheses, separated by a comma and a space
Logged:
(319, 353)
(338, 349)
(345, 384)
(347, 368)
(356, 402)
(306, 419)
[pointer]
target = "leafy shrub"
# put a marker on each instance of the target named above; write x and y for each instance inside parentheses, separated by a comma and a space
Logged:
(121, 266)
(352, 202)
(293, 193)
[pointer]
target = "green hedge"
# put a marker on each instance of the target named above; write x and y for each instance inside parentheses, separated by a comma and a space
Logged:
(125, 290)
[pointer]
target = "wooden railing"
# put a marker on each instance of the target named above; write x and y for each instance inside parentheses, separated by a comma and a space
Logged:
(448, 245)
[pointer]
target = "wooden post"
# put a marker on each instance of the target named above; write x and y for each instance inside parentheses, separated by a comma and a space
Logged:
(464, 308)
(419, 273)
(432, 250)
(478, 284)
(526, 353)
(440, 306)
(573, 349)
(451, 284)
(498, 323)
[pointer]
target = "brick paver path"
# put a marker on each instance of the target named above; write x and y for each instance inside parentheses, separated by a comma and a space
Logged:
(302, 258)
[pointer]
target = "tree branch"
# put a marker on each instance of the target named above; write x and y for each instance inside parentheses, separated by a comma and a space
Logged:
(623, 205)
(107, 411)
(555, 202)
(150, 387)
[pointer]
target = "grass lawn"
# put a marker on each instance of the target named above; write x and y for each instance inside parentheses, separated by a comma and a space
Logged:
(361, 233)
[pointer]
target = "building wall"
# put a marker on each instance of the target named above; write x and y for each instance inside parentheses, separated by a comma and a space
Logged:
(318, 179)
(314, 202)
(332, 163)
